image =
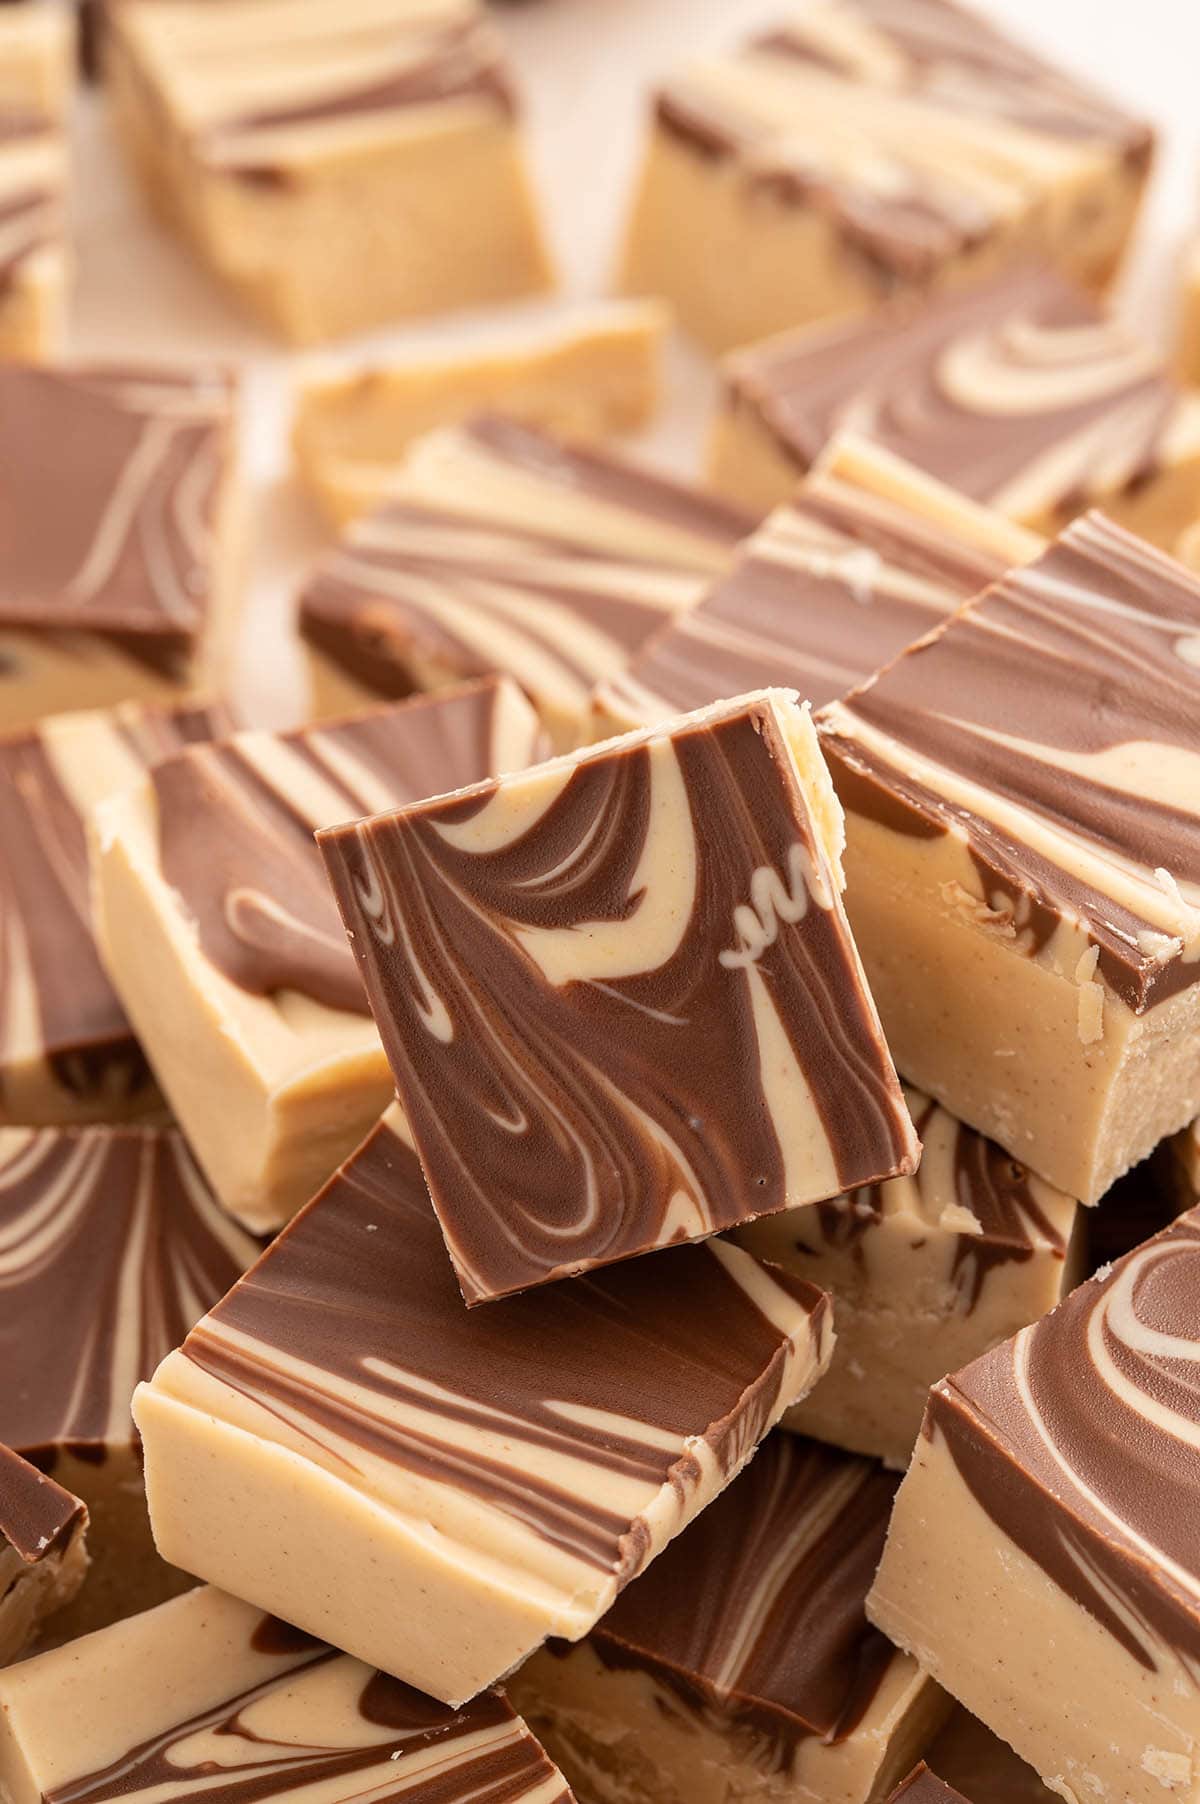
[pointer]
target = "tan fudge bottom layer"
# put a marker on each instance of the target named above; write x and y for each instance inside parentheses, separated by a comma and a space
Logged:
(31, 1593)
(32, 305)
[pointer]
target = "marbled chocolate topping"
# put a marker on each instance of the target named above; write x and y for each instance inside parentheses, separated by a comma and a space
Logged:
(108, 509)
(757, 1612)
(36, 1515)
(611, 992)
(1081, 1440)
(111, 1247)
(924, 1787)
(1017, 391)
(236, 824)
(1052, 727)
(571, 1413)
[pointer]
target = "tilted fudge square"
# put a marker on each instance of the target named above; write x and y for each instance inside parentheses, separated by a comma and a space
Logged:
(867, 147)
(67, 1051)
(1042, 1558)
(1023, 855)
(742, 1665)
(206, 1696)
(223, 940)
(437, 1489)
(339, 163)
(35, 82)
(43, 1557)
(926, 1272)
(924, 1787)
(619, 996)
(867, 556)
(507, 548)
(1020, 392)
(116, 499)
(111, 1247)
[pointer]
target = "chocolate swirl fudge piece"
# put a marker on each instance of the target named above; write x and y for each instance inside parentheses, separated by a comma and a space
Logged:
(67, 1051)
(111, 1247)
(868, 147)
(1023, 855)
(115, 523)
(43, 1558)
(506, 548)
(223, 938)
(926, 1272)
(742, 1666)
(1059, 1597)
(924, 1787)
(338, 163)
(35, 81)
(866, 557)
(1019, 391)
(340, 1436)
(207, 1697)
(619, 996)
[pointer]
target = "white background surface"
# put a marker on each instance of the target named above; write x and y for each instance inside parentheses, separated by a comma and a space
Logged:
(585, 67)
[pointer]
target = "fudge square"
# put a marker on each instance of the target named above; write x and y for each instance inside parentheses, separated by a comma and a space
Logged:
(35, 82)
(338, 163)
(924, 1787)
(1023, 855)
(43, 1556)
(1019, 391)
(867, 147)
(619, 996)
(206, 1696)
(223, 939)
(116, 498)
(340, 1437)
(1042, 1558)
(743, 1665)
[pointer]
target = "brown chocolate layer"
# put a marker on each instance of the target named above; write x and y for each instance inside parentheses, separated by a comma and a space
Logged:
(36, 1515)
(924, 1787)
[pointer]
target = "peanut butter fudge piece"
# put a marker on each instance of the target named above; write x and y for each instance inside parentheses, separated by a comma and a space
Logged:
(507, 548)
(223, 939)
(111, 1247)
(742, 1666)
(1042, 1560)
(67, 1051)
(866, 557)
(1023, 855)
(207, 1697)
(595, 372)
(116, 492)
(338, 163)
(43, 1558)
(924, 1787)
(926, 1272)
(867, 147)
(340, 1436)
(619, 996)
(35, 81)
(1018, 391)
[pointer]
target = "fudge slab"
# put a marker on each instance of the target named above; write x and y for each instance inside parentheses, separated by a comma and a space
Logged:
(924, 1787)
(43, 1554)
(1042, 1559)
(116, 520)
(1023, 855)
(1019, 391)
(742, 1666)
(619, 996)
(340, 1435)
(224, 943)
(926, 1272)
(339, 164)
(35, 83)
(206, 1696)
(508, 548)
(111, 1247)
(864, 148)
(67, 1051)
(595, 371)
(867, 556)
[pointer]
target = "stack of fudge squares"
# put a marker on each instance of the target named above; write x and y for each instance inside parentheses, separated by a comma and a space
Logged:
(614, 1217)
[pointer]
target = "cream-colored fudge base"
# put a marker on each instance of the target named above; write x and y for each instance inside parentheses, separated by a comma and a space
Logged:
(32, 308)
(621, 1737)
(34, 1097)
(272, 1092)
(747, 463)
(1042, 1673)
(1003, 1040)
(332, 691)
(30, 1594)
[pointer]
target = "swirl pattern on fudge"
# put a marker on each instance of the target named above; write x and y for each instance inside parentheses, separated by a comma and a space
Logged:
(620, 997)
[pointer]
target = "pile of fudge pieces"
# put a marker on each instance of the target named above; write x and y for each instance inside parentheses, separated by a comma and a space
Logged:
(614, 1216)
